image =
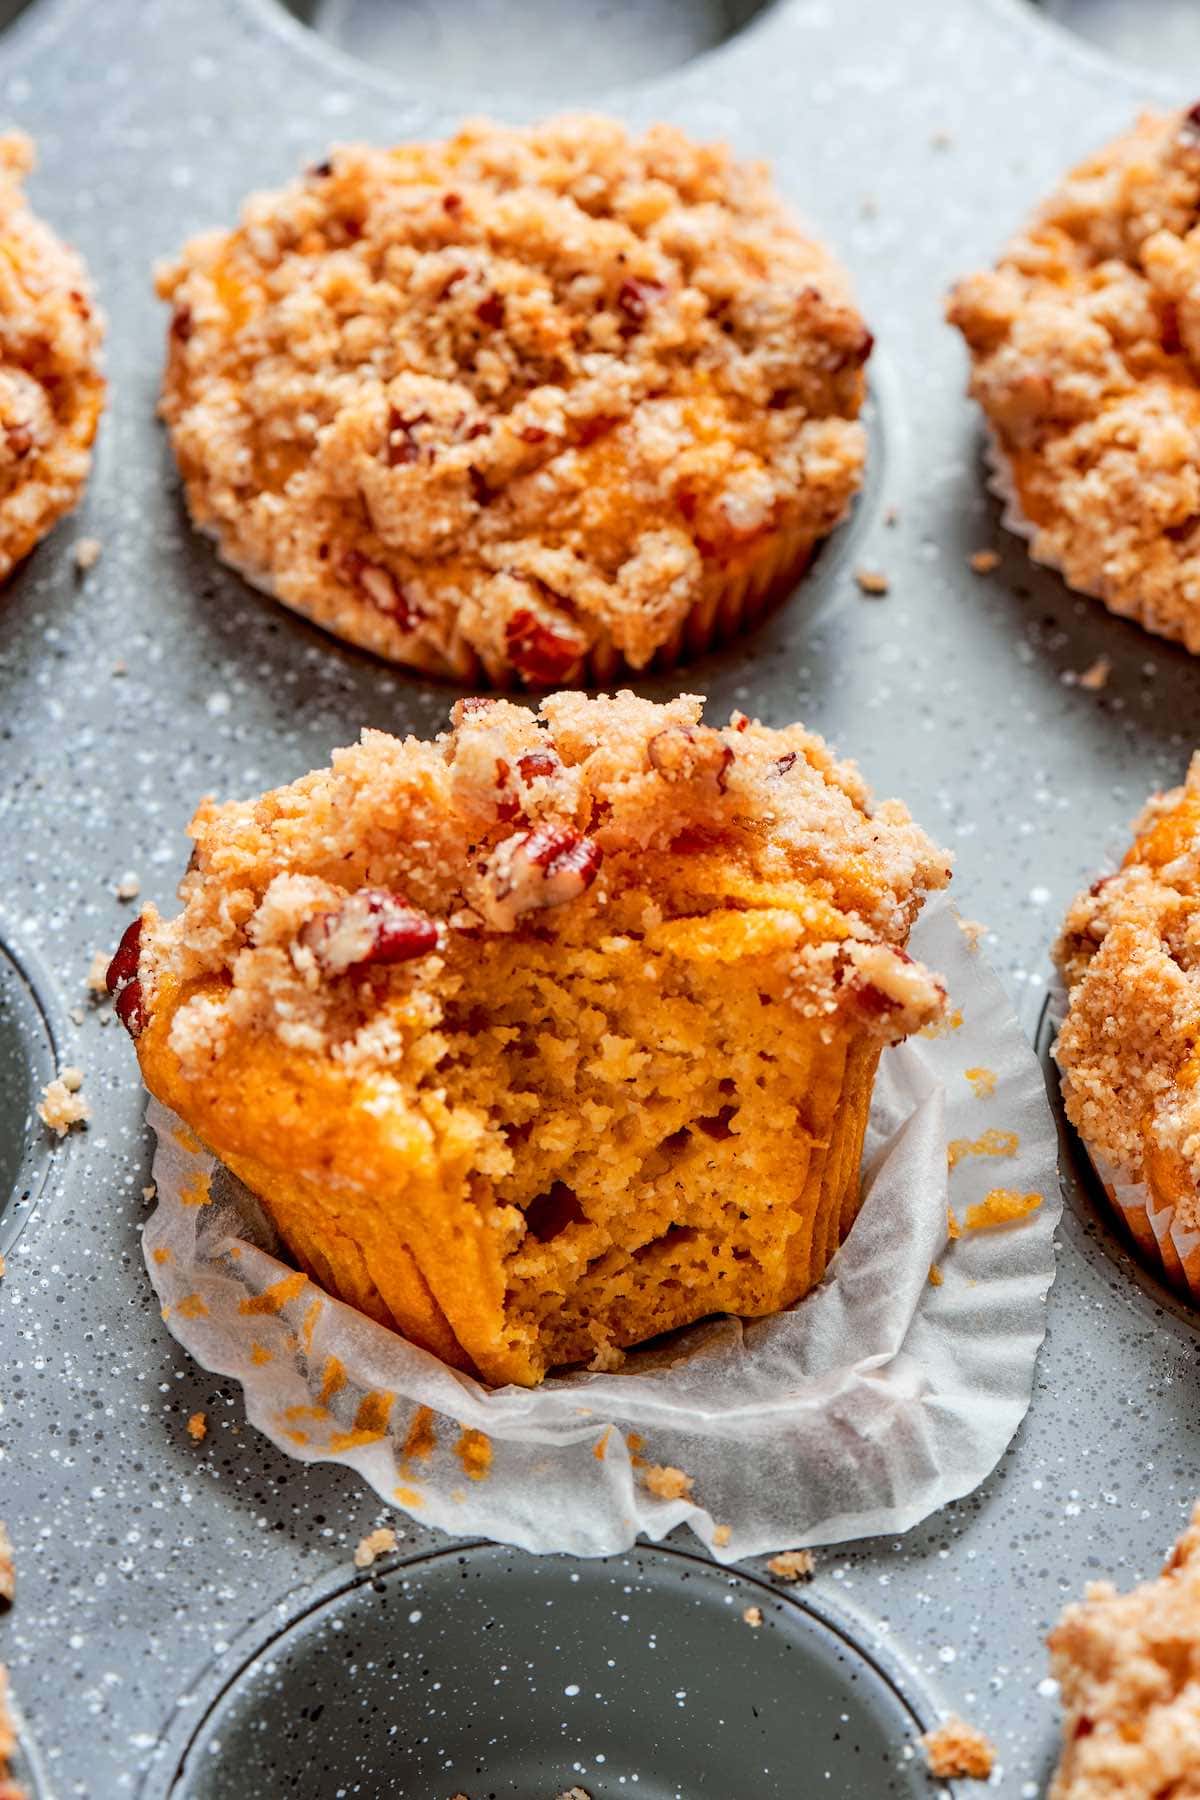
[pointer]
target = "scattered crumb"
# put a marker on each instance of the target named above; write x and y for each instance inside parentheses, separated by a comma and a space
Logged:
(973, 931)
(872, 581)
(722, 1535)
(129, 887)
(984, 561)
(753, 1617)
(376, 1543)
(474, 1452)
(1003, 1206)
(1096, 675)
(575, 1794)
(62, 1105)
(197, 1427)
(97, 975)
(3, 1268)
(120, 667)
(87, 554)
(956, 1750)
(953, 1228)
(892, 516)
(988, 1143)
(608, 1358)
(792, 1565)
(149, 1193)
(8, 1573)
(666, 1482)
(935, 1275)
(982, 1080)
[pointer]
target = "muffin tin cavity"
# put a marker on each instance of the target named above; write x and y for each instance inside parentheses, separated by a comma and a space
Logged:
(26, 1063)
(1089, 1215)
(562, 52)
(1157, 34)
(488, 1673)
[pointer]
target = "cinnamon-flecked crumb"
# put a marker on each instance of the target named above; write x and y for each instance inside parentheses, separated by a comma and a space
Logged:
(792, 1565)
(1128, 1669)
(62, 1105)
(1129, 953)
(1085, 357)
(526, 402)
(379, 1542)
(753, 1616)
(958, 1751)
(197, 1427)
(667, 1483)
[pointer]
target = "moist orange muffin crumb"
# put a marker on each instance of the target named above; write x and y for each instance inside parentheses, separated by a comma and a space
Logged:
(523, 404)
(51, 388)
(1085, 357)
(958, 1751)
(555, 1033)
(1128, 1669)
(1129, 953)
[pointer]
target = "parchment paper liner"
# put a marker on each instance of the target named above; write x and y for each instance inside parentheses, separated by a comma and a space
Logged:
(873, 1402)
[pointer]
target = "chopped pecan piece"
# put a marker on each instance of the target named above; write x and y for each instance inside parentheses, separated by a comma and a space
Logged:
(123, 981)
(537, 763)
(689, 753)
(490, 310)
(538, 653)
(371, 926)
(536, 870)
(379, 586)
(635, 298)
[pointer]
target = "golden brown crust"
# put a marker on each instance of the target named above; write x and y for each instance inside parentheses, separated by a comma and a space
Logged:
(1085, 356)
(524, 402)
(51, 389)
(1128, 1669)
(550, 1035)
(1129, 953)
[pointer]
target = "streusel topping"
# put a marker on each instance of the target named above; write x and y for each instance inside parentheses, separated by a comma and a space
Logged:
(1128, 1668)
(531, 394)
(1130, 955)
(375, 877)
(1085, 344)
(51, 389)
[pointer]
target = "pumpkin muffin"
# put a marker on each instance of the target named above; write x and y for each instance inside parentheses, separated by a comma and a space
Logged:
(1129, 954)
(1128, 1668)
(51, 388)
(1085, 357)
(522, 405)
(552, 1034)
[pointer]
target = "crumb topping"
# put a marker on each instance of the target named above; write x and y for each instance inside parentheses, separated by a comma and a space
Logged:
(1128, 1669)
(667, 1483)
(958, 1751)
(1129, 953)
(792, 1565)
(1085, 351)
(51, 389)
(62, 1105)
(514, 398)
(380, 1542)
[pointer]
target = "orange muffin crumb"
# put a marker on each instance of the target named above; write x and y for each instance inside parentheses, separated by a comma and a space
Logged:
(1001, 1206)
(667, 1483)
(522, 405)
(197, 1427)
(1128, 1669)
(958, 1751)
(556, 1033)
(792, 1565)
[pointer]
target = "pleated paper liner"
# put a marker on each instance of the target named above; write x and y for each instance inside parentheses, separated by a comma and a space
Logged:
(1166, 1247)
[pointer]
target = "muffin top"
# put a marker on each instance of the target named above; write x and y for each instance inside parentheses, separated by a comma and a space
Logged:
(523, 394)
(1130, 955)
(51, 389)
(1085, 344)
(310, 912)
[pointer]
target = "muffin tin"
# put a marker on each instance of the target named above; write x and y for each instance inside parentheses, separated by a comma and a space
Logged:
(159, 1578)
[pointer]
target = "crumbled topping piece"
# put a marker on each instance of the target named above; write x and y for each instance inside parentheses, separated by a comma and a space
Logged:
(984, 561)
(722, 1535)
(667, 1483)
(753, 1616)
(97, 975)
(872, 581)
(62, 1105)
(129, 886)
(1096, 675)
(87, 553)
(380, 1542)
(197, 1427)
(8, 1573)
(957, 1751)
(792, 1565)
(535, 870)
(370, 926)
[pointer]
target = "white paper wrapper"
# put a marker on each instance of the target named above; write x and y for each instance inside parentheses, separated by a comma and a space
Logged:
(864, 1408)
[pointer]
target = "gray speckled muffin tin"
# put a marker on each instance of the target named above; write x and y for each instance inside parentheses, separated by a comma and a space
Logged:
(188, 1618)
